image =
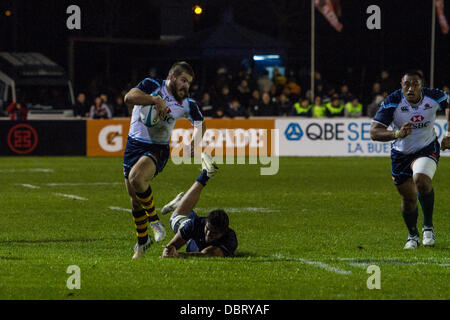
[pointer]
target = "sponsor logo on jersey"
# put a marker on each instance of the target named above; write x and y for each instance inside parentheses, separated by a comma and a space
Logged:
(420, 125)
(417, 118)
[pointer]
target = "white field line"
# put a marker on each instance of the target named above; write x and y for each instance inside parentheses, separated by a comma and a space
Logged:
(230, 210)
(243, 209)
(45, 170)
(363, 263)
(318, 264)
(26, 185)
(120, 209)
(403, 263)
(70, 196)
(71, 184)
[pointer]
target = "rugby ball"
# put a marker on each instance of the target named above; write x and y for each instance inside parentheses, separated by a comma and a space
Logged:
(149, 115)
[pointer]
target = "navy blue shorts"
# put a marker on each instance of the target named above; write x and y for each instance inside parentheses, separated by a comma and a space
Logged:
(135, 149)
(401, 163)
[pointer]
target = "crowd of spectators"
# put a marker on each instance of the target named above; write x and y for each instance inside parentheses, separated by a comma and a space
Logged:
(246, 94)
(101, 108)
(242, 94)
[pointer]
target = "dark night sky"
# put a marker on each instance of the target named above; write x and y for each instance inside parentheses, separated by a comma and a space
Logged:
(355, 55)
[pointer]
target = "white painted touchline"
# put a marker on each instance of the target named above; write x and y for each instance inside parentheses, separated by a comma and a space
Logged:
(230, 210)
(120, 209)
(45, 170)
(315, 263)
(70, 196)
(243, 209)
(60, 184)
(363, 263)
(26, 185)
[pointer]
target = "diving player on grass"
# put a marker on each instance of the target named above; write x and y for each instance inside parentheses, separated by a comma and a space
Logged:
(204, 236)
(147, 149)
(411, 111)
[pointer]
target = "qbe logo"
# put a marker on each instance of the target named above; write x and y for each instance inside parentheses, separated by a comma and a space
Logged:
(293, 132)
(315, 131)
(22, 138)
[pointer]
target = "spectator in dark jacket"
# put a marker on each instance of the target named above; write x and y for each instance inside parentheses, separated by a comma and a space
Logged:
(267, 107)
(235, 109)
(224, 98)
(386, 82)
(218, 113)
(284, 105)
(345, 95)
(254, 103)
(243, 92)
(206, 105)
(120, 108)
(80, 108)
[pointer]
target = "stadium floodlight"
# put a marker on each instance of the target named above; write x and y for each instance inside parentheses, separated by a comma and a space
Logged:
(198, 10)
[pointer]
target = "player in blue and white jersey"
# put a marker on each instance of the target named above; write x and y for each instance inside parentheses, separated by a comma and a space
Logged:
(415, 149)
(147, 150)
(208, 236)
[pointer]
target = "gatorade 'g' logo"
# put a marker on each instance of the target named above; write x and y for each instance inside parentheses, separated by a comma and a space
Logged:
(110, 138)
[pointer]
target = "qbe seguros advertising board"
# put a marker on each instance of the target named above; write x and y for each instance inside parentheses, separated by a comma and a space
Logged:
(335, 137)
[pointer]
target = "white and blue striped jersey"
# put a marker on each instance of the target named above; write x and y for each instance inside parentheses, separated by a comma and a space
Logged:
(160, 133)
(395, 111)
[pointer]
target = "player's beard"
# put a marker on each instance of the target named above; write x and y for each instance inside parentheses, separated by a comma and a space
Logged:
(178, 94)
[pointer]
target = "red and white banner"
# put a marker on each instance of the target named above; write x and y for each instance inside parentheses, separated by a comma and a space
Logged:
(441, 16)
(326, 8)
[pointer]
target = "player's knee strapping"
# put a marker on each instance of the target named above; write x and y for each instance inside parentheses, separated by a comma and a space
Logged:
(424, 166)
(141, 224)
(147, 203)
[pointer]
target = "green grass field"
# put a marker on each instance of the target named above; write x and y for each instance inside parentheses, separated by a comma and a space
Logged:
(309, 232)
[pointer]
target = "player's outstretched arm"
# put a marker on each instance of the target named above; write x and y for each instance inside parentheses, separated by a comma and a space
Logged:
(210, 251)
(170, 251)
(379, 132)
(445, 144)
(171, 248)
